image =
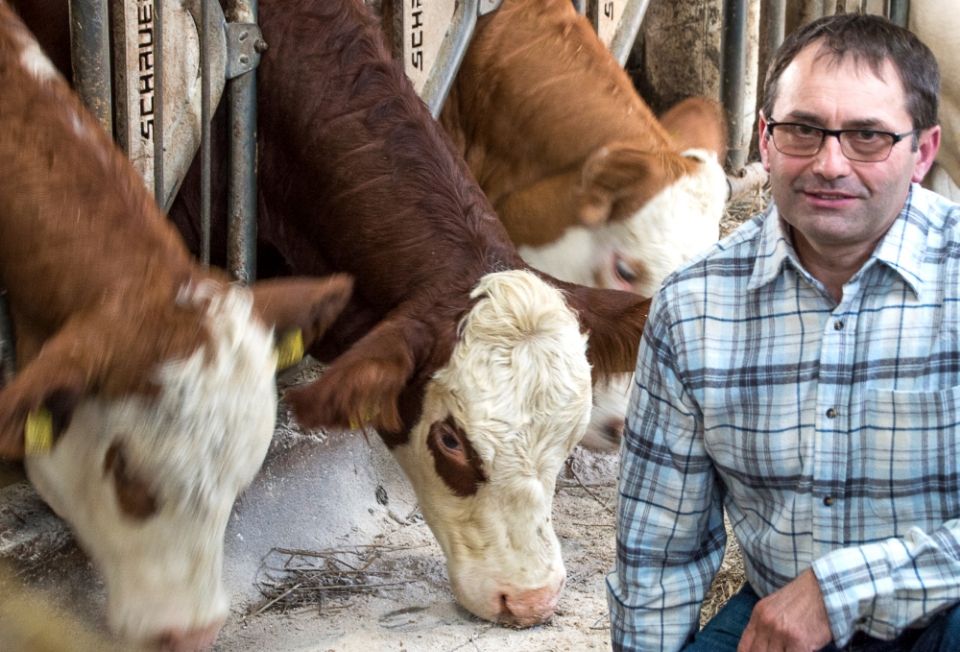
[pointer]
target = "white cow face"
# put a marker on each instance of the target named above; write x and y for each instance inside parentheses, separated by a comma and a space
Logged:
(148, 483)
(638, 252)
(682, 220)
(497, 424)
(610, 402)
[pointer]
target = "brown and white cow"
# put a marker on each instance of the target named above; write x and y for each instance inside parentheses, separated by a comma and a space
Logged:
(157, 376)
(475, 370)
(936, 23)
(591, 187)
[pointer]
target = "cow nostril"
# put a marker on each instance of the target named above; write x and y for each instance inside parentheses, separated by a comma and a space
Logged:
(195, 640)
(613, 430)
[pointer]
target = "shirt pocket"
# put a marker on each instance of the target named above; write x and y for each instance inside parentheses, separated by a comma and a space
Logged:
(904, 463)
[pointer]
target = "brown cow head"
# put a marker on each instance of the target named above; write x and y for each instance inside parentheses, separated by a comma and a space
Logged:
(147, 479)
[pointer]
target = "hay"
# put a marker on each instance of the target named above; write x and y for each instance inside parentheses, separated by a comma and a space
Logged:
(728, 580)
(743, 209)
(291, 579)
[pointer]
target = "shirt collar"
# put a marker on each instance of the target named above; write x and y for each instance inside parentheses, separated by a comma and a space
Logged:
(774, 249)
(901, 249)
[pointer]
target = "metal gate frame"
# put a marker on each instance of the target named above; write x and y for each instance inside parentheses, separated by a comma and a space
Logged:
(90, 33)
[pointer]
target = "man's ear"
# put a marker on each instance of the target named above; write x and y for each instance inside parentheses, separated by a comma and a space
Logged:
(300, 309)
(928, 144)
(763, 141)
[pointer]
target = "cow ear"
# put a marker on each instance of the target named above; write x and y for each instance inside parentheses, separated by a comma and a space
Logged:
(614, 322)
(618, 179)
(362, 387)
(300, 310)
(697, 123)
(37, 405)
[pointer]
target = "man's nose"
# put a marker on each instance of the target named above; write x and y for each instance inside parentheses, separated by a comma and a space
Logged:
(830, 162)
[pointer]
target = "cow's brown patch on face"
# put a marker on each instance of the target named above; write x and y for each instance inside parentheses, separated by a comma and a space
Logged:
(454, 458)
(133, 494)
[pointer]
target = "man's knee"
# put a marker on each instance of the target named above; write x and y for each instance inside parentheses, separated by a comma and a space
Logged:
(951, 630)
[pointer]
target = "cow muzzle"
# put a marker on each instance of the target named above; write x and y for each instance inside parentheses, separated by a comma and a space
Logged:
(194, 640)
(526, 608)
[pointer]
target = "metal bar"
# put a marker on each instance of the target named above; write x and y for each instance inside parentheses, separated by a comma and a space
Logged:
(158, 190)
(452, 51)
(775, 19)
(733, 75)
(90, 57)
(630, 22)
(8, 362)
(899, 11)
(205, 163)
(242, 182)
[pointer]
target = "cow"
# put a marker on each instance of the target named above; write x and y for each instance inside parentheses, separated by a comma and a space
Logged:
(474, 369)
(591, 186)
(935, 22)
(145, 397)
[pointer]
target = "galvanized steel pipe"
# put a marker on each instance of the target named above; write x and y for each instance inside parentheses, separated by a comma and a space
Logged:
(158, 102)
(242, 183)
(90, 57)
(899, 11)
(733, 76)
(205, 154)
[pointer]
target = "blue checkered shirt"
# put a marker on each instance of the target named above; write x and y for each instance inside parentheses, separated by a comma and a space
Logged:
(829, 432)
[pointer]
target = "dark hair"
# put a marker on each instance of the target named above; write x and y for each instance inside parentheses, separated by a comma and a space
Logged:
(872, 39)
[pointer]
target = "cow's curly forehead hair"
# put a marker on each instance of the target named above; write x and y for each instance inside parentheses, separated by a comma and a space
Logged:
(869, 39)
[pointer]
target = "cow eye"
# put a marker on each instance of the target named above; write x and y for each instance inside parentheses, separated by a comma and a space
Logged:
(624, 271)
(454, 459)
(449, 440)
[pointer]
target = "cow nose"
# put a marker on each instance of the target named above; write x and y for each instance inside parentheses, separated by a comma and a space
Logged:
(613, 431)
(528, 608)
(194, 640)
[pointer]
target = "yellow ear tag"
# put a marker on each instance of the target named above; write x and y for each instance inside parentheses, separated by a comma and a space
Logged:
(290, 349)
(367, 413)
(38, 432)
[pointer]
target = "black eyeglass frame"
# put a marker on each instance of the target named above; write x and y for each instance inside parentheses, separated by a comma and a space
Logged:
(896, 137)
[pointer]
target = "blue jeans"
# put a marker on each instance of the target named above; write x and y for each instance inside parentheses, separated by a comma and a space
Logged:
(723, 632)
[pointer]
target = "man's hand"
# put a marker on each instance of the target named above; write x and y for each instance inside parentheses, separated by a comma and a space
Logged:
(793, 619)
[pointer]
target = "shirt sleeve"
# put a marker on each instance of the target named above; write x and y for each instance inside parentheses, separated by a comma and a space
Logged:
(883, 587)
(670, 534)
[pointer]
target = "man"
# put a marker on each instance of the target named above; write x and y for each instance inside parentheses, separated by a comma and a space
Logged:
(804, 375)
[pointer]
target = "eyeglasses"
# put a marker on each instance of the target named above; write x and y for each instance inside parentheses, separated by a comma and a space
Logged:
(864, 145)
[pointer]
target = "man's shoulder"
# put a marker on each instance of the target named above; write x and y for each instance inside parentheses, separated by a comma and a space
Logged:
(935, 211)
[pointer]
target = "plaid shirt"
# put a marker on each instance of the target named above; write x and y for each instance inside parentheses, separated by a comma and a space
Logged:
(829, 432)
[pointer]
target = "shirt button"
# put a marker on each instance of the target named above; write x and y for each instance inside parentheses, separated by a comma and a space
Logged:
(838, 325)
(831, 413)
(828, 501)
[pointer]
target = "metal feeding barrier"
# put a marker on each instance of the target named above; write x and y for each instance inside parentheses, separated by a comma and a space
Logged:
(431, 38)
(172, 61)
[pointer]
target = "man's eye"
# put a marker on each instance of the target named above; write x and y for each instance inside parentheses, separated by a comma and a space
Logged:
(866, 135)
(804, 131)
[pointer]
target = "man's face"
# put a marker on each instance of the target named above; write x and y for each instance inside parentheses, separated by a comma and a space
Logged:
(835, 204)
